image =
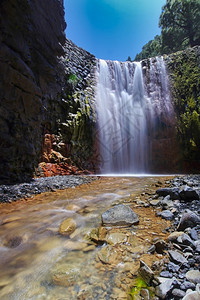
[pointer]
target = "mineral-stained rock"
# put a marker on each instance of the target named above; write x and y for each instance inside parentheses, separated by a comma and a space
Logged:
(67, 227)
(70, 245)
(174, 235)
(145, 272)
(119, 215)
(65, 276)
(116, 238)
(188, 219)
(108, 255)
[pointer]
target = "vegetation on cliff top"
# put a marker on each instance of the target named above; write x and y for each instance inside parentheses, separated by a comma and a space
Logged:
(180, 28)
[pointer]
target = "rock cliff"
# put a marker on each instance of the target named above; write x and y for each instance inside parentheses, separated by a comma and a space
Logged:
(47, 87)
(31, 45)
(44, 82)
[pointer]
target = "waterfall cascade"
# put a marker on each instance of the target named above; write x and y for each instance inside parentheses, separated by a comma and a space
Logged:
(130, 100)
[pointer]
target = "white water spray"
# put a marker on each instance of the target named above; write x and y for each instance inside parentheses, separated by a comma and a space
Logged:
(126, 106)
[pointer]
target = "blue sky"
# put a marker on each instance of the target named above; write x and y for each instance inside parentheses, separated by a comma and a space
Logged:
(112, 29)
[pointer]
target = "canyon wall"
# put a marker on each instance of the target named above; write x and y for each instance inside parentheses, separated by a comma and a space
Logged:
(47, 92)
(42, 84)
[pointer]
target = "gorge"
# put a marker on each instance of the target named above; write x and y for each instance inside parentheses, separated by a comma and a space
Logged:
(65, 112)
(48, 114)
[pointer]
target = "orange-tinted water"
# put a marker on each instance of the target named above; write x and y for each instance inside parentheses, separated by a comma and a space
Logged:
(33, 252)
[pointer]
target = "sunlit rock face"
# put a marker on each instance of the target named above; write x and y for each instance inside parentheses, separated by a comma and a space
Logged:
(31, 45)
(136, 120)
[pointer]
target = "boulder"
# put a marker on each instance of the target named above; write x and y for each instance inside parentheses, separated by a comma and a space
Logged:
(188, 193)
(119, 215)
(193, 276)
(173, 192)
(188, 219)
(177, 257)
(67, 227)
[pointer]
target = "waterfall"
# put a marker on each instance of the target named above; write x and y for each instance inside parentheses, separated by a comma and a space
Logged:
(128, 106)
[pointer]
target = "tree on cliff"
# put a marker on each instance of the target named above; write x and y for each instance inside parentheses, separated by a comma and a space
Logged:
(180, 24)
(180, 28)
(152, 48)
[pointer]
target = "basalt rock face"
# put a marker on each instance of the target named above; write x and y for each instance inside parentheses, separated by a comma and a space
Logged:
(31, 45)
(46, 109)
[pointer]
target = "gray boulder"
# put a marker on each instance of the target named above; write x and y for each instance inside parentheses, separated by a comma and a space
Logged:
(119, 215)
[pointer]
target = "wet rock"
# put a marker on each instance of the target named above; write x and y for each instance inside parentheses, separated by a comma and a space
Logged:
(193, 295)
(163, 191)
(108, 255)
(187, 285)
(89, 248)
(13, 242)
(193, 233)
(197, 245)
(67, 227)
(70, 245)
(172, 267)
(93, 235)
(145, 272)
(73, 207)
(173, 192)
(160, 246)
(164, 288)
(155, 202)
(144, 293)
(102, 233)
(166, 274)
(184, 239)
(65, 276)
(193, 276)
(188, 219)
(119, 215)
(174, 235)
(177, 293)
(116, 238)
(188, 193)
(177, 257)
(167, 214)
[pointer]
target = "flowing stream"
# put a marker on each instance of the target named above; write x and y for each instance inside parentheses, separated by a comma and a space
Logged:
(37, 263)
(131, 100)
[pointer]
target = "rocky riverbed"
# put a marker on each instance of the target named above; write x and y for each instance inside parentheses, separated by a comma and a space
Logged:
(115, 238)
(180, 276)
(9, 193)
